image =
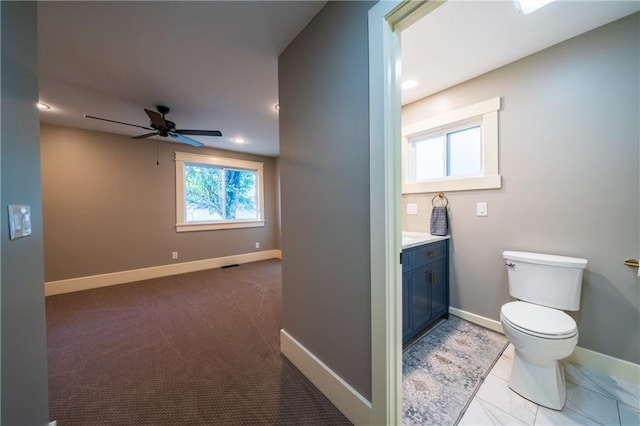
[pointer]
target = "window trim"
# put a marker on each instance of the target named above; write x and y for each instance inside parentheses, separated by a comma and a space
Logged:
(485, 113)
(186, 157)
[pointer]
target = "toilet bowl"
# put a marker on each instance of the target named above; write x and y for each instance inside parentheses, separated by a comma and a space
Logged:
(540, 342)
(541, 333)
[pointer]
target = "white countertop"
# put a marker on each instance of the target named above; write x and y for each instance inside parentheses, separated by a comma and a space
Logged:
(413, 239)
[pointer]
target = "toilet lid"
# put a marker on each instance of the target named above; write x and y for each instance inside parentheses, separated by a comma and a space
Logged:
(539, 320)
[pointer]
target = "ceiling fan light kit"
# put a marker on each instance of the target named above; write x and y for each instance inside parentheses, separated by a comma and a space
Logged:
(160, 126)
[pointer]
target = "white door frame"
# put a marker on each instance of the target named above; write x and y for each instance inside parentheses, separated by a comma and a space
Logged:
(386, 20)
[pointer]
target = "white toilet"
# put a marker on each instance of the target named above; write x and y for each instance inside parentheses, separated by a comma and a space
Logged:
(541, 333)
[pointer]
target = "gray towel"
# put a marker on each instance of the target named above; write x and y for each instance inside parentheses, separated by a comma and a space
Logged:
(439, 221)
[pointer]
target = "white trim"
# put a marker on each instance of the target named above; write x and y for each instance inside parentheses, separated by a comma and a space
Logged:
(353, 405)
(596, 361)
(195, 226)
(614, 367)
(186, 157)
(477, 319)
(486, 114)
(446, 118)
(385, 216)
(103, 280)
(189, 157)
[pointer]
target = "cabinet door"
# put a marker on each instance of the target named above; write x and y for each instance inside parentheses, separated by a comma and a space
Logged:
(406, 307)
(421, 295)
(439, 303)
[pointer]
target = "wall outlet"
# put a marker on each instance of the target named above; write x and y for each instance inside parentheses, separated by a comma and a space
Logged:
(257, 244)
(174, 255)
(412, 208)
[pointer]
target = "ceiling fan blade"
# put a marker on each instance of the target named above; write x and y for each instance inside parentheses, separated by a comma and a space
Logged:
(118, 122)
(185, 139)
(156, 119)
(199, 132)
(146, 135)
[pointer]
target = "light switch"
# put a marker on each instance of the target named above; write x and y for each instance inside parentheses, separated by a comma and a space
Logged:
(19, 221)
(412, 208)
(481, 209)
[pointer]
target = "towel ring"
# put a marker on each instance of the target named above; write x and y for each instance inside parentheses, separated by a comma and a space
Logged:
(443, 200)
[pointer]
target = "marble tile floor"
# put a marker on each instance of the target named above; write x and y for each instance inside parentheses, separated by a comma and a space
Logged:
(592, 399)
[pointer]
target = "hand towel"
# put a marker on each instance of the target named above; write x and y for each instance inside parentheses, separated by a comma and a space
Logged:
(439, 221)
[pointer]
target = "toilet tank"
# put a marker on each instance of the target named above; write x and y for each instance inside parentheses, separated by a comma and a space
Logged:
(545, 279)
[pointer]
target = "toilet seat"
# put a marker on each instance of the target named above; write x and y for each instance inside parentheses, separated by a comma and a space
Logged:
(539, 321)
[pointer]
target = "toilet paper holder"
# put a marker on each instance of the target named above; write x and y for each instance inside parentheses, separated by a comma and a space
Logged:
(632, 262)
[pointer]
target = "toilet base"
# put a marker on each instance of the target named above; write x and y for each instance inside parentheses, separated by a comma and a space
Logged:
(541, 381)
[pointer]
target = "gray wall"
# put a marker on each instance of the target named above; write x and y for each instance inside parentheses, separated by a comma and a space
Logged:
(324, 146)
(23, 332)
(569, 142)
(108, 207)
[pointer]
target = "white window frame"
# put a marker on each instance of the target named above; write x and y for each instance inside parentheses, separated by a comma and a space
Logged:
(182, 158)
(486, 115)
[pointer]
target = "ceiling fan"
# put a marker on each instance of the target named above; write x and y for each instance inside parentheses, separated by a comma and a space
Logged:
(161, 126)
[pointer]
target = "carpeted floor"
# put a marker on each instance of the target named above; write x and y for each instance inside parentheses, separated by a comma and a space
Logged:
(194, 349)
(443, 369)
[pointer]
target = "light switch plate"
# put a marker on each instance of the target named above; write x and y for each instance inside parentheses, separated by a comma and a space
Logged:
(412, 208)
(19, 221)
(481, 209)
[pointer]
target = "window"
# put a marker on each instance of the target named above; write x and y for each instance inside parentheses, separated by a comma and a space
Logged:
(454, 151)
(217, 193)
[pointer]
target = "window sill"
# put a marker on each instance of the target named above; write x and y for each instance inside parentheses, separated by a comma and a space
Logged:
(454, 184)
(192, 227)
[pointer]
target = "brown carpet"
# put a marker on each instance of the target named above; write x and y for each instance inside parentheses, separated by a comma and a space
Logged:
(194, 349)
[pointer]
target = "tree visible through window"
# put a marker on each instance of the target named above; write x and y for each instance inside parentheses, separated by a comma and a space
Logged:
(214, 193)
(217, 193)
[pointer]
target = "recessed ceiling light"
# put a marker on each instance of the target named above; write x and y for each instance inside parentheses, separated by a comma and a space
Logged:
(239, 141)
(409, 84)
(528, 6)
(42, 105)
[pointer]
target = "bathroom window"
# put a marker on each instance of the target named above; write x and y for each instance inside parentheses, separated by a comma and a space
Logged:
(457, 150)
(217, 193)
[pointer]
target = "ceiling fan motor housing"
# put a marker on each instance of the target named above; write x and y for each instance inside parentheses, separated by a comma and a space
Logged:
(169, 126)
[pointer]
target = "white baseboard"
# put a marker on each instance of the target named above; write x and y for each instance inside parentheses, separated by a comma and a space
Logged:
(477, 319)
(353, 405)
(103, 280)
(614, 367)
(596, 361)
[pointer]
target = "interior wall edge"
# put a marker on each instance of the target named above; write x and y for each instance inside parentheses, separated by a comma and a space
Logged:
(348, 400)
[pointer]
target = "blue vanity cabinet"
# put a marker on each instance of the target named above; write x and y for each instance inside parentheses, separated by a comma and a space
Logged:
(425, 287)
(406, 301)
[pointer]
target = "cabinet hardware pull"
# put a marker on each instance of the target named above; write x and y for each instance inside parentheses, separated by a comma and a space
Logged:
(431, 254)
(433, 276)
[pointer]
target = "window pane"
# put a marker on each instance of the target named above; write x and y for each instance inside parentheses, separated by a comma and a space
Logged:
(241, 200)
(465, 152)
(429, 158)
(203, 193)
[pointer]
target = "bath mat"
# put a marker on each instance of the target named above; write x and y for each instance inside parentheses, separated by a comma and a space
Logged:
(442, 370)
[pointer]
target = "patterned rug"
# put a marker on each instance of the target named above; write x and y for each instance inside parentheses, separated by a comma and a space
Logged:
(443, 369)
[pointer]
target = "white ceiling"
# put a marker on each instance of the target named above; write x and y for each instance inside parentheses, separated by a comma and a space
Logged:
(215, 63)
(462, 39)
